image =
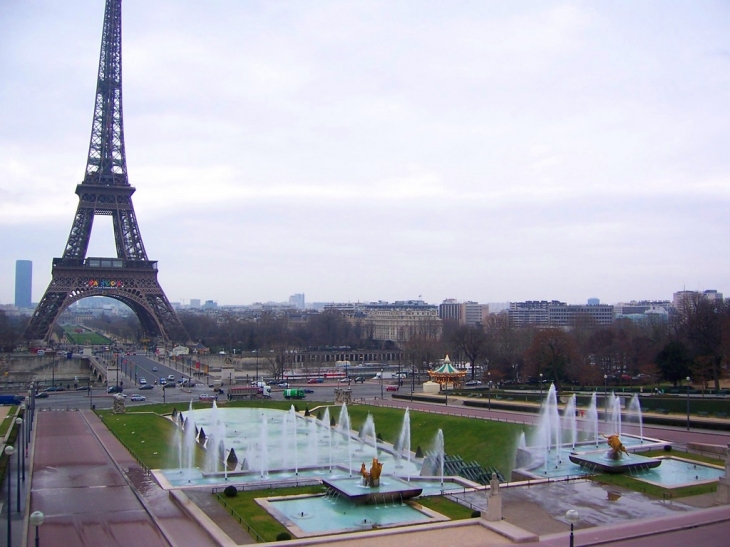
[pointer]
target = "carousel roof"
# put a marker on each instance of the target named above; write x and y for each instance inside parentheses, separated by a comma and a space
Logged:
(447, 368)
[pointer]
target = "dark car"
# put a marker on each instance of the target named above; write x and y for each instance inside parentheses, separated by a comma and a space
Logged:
(359, 380)
(42, 395)
(55, 388)
(147, 386)
(115, 389)
(169, 385)
(308, 390)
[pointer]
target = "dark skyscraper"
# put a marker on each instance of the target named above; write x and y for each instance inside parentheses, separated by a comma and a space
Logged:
(23, 283)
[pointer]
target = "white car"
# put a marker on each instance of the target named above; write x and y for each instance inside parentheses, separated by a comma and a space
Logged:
(142, 381)
(137, 397)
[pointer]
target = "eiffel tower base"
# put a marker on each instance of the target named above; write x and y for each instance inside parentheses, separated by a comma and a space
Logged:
(133, 283)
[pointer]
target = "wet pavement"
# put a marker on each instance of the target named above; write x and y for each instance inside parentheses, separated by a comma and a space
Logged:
(92, 492)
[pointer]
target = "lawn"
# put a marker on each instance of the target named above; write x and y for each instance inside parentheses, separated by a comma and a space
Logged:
(83, 337)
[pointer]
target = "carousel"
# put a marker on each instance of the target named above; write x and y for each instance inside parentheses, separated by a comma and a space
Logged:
(447, 376)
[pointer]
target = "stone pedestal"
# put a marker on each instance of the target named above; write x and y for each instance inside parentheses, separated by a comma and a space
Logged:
(723, 484)
(118, 405)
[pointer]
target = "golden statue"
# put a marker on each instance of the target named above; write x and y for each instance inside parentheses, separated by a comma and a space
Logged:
(373, 477)
(616, 446)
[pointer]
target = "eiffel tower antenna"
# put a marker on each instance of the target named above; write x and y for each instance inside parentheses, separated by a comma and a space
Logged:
(130, 277)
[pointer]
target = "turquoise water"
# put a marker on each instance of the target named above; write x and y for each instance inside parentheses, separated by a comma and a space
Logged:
(674, 473)
(323, 515)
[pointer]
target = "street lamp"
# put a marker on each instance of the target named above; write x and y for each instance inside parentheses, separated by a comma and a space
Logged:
(9, 452)
(540, 388)
(489, 385)
(36, 519)
(605, 396)
(688, 380)
(381, 383)
(21, 427)
(572, 516)
(19, 423)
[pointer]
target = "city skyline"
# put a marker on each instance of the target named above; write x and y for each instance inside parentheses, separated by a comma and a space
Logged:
(356, 152)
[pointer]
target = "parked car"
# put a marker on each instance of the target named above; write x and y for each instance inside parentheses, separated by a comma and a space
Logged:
(359, 380)
(207, 397)
(473, 383)
(147, 386)
(137, 397)
(391, 388)
(312, 381)
(55, 388)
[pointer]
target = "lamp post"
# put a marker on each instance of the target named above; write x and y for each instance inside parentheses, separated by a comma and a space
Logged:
(21, 426)
(489, 385)
(688, 380)
(257, 366)
(572, 516)
(413, 381)
(540, 388)
(605, 397)
(36, 519)
(381, 383)
(19, 423)
(9, 452)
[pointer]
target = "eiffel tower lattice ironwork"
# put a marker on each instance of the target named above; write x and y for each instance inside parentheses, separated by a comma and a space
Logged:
(130, 277)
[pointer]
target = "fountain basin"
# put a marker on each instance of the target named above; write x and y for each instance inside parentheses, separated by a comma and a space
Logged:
(600, 462)
(390, 489)
(310, 516)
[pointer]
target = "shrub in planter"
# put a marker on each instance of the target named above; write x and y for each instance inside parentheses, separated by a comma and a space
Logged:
(230, 491)
(476, 514)
(667, 448)
(283, 536)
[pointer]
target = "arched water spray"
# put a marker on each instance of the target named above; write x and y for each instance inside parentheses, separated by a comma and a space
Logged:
(549, 422)
(368, 429)
(404, 441)
(263, 447)
(189, 442)
(294, 438)
(312, 442)
(592, 417)
(615, 414)
(439, 447)
(570, 422)
(343, 423)
(328, 431)
(635, 413)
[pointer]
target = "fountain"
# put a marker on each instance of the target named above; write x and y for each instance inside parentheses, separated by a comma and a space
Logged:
(557, 445)
(373, 487)
(613, 460)
(266, 443)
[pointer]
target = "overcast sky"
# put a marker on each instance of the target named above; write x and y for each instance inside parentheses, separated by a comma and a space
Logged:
(357, 151)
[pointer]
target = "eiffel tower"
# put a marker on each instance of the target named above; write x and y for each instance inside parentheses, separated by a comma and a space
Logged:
(131, 277)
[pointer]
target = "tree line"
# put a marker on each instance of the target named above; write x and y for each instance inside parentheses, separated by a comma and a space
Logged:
(694, 342)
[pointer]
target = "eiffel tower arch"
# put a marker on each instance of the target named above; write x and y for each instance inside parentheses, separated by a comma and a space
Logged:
(130, 277)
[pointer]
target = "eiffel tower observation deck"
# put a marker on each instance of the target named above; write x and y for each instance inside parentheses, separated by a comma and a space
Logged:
(130, 277)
